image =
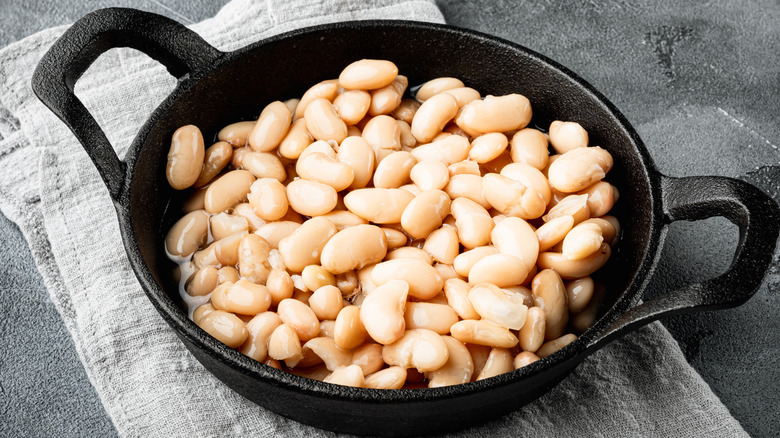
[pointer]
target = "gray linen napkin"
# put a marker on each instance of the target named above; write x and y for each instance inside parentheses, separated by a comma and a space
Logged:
(147, 381)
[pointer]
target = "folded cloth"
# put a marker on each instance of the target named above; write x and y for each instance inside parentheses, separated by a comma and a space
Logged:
(148, 382)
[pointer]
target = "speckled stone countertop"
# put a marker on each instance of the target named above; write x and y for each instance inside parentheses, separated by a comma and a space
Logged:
(700, 81)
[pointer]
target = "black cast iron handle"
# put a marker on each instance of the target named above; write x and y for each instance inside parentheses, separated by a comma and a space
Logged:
(180, 50)
(758, 218)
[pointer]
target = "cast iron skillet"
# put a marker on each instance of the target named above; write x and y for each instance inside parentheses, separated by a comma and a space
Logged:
(217, 88)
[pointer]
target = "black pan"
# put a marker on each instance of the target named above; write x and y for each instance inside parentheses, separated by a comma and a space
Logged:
(217, 88)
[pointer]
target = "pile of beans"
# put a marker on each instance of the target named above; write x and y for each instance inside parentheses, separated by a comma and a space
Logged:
(366, 238)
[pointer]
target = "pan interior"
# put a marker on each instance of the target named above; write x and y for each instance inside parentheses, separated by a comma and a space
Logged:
(245, 81)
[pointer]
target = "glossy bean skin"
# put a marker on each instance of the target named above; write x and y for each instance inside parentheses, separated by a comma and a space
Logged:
(483, 333)
(488, 147)
(326, 170)
(449, 149)
(296, 140)
(300, 317)
(575, 206)
(601, 198)
(432, 116)
(384, 100)
(435, 317)
(368, 358)
(388, 378)
(572, 269)
(550, 296)
(553, 231)
(327, 352)
(495, 114)
(466, 260)
(377, 205)
(442, 245)
(354, 248)
(242, 297)
(421, 349)
(405, 110)
(436, 86)
(502, 270)
(187, 234)
(579, 293)
(323, 122)
(274, 232)
(271, 127)
(500, 306)
(529, 146)
(215, 159)
(513, 236)
(259, 331)
(352, 105)
(350, 375)
(579, 168)
(423, 280)
(472, 221)
(284, 345)
(395, 238)
(237, 133)
(383, 134)
(511, 197)
(279, 285)
(457, 370)
(348, 331)
(394, 170)
(565, 136)
(499, 361)
(268, 198)
(531, 335)
(524, 358)
(311, 198)
(203, 282)
(467, 186)
(264, 165)
(356, 153)
(582, 241)
(554, 345)
(368, 74)
(530, 177)
(410, 252)
(228, 190)
(304, 246)
(226, 249)
(430, 175)
(185, 157)
(425, 213)
(327, 90)
(382, 312)
(225, 327)
(253, 258)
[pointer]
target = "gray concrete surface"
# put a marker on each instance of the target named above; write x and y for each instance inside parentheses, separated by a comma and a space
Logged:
(700, 81)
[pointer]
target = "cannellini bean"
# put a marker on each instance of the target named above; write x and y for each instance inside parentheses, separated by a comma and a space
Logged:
(531, 335)
(495, 114)
(458, 368)
(411, 188)
(366, 283)
(406, 136)
(327, 352)
(296, 140)
(554, 345)
(554, 231)
(354, 248)
(311, 198)
(410, 252)
(436, 86)
(582, 241)
(368, 358)
(264, 165)
(327, 90)
(464, 95)
(187, 234)
(242, 297)
(227, 273)
(279, 285)
(607, 228)
(423, 280)
(579, 293)
(579, 168)
(322, 121)
(387, 98)
(388, 378)
(356, 153)
(226, 249)
(432, 116)
(203, 282)
(300, 317)
(466, 260)
(442, 245)
(368, 74)
(253, 258)
(467, 186)
(601, 198)
(513, 236)
(225, 327)
(430, 175)
(348, 284)
(575, 206)
(271, 127)
(224, 225)
(185, 157)
(499, 361)
(448, 150)
(380, 206)
(583, 320)
(550, 296)
(435, 317)
(215, 159)
(352, 105)
(488, 147)
(315, 277)
(565, 136)
(323, 169)
(383, 134)
(268, 198)
(421, 349)
(497, 305)
(228, 190)
(500, 269)
(571, 269)
(472, 221)
(382, 312)
(259, 331)
(395, 238)
(304, 246)
(446, 272)
(425, 213)
(284, 345)
(524, 358)
(511, 197)
(530, 177)
(483, 332)
(343, 219)
(236, 134)
(326, 328)
(350, 375)
(202, 311)
(206, 257)
(406, 109)
(195, 201)
(529, 146)
(238, 157)
(274, 232)
(466, 167)
(244, 211)
(393, 171)
(348, 332)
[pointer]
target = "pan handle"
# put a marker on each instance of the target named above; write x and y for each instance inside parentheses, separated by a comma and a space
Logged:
(758, 218)
(180, 50)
